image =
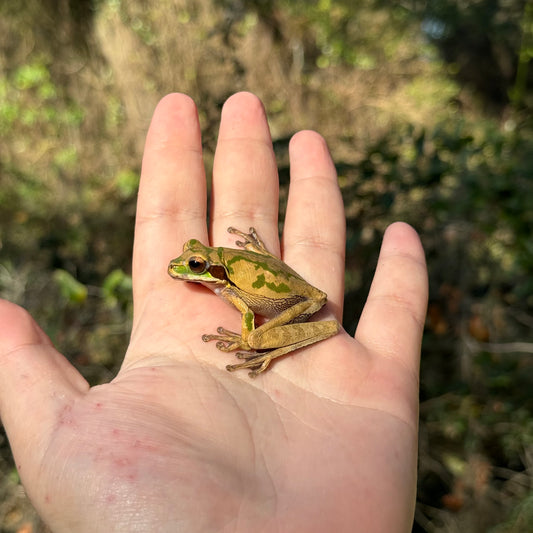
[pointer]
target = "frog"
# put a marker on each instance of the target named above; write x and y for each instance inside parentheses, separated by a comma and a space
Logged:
(256, 283)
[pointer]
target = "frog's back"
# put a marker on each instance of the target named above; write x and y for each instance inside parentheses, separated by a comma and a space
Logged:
(266, 284)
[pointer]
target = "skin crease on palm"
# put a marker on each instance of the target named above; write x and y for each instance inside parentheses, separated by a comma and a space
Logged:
(325, 440)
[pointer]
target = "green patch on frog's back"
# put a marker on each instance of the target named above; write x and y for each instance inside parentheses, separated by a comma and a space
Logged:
(276, 287)
(259, 263)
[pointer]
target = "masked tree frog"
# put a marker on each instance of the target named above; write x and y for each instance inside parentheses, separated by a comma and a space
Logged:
(256, 282)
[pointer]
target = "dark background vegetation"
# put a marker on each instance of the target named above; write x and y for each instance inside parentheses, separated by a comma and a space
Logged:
(426, 106)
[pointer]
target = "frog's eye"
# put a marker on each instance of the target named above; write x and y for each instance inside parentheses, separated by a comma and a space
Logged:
(197, 265)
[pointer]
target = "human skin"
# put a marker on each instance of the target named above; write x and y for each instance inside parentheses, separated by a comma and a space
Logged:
(325, 440)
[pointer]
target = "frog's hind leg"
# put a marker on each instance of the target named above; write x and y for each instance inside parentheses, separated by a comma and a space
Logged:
(259, 362)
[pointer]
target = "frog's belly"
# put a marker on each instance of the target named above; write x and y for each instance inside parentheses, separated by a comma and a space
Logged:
(269, 307)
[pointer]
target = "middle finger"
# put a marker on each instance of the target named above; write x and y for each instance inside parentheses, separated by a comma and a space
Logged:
(245, 179)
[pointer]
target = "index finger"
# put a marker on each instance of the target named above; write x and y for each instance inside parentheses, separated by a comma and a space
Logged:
(171, 205)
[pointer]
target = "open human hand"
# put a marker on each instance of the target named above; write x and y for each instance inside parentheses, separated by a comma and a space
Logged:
(325, 440)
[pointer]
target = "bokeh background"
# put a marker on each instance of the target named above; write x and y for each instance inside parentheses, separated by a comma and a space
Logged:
(426, 106)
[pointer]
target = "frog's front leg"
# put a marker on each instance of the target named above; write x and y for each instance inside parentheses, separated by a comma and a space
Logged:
(227, 341)
(251, 241)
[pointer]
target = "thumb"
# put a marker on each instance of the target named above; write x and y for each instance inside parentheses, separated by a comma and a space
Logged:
(36, 383)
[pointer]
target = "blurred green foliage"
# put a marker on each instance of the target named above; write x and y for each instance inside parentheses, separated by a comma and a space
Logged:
(70, 288)
(426, 108)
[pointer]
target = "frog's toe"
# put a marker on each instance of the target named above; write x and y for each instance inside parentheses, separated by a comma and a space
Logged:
(227, 333)
(227, 345)
(247, 356)
(262, 368)
(223, 346)
(228, 342)
(256, 362)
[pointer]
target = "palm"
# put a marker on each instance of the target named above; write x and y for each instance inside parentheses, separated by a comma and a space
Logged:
(326, 439)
